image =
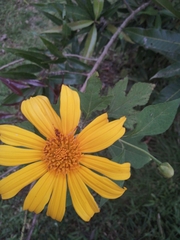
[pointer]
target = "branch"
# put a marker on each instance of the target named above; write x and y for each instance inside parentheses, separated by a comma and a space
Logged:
(12, 63)
(113, 38)
(32, 227)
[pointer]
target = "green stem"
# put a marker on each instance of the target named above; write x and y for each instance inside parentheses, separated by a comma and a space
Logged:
(141, 150)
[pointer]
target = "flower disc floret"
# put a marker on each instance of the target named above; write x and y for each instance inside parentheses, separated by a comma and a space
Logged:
(61, 153)
(61, 162)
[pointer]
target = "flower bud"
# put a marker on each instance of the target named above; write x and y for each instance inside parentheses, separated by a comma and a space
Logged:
(166, 170)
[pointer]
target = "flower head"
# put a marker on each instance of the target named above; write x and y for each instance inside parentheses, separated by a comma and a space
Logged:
(62, 159)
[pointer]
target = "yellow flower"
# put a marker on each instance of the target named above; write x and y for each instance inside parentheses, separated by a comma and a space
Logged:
(62, 159)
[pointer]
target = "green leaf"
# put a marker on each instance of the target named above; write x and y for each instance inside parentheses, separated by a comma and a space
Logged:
(17, 75)
(67, 78)
(13, 99)
(169, 93)
(79, 24)
(52, 48)
(156, 119)
(31, 68)
(130, 153)
(53, 18)
(91, 100)
(155, 39)
(123, 105)
(98, 7)
(77, 65)
(87, 6)
(76, 13)
(170, 71)
(168, 5)
(90, 42)
(36, 57)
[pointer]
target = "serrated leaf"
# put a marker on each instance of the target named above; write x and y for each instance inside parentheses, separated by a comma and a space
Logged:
(98, 7)
(169, 93)
(91, 100)
(123, 105)
(156, 119)
(155, 39)
(170, 71)
(90, 42)
(129, 153)
(168, 5)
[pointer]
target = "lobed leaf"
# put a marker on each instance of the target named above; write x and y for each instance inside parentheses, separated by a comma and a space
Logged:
(156, 119)
(91, 100)
(123, 104)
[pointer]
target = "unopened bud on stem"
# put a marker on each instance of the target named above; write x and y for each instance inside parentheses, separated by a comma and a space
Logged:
(166, 170)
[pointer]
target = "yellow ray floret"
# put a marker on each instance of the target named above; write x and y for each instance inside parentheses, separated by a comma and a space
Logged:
(59, 161)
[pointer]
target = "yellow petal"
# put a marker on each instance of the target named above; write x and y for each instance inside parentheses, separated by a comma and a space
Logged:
(17, 136)
(102, 185)
(103, 137)
(40, 194)
(82, 200)
(98, 122)
(57, 203)
(11, 185)
(12, 156)
(69, 109)
(108, 168)
(40, 113)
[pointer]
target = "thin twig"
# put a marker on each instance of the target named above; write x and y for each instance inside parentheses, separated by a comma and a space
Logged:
(128, 7)
(113, 38)
(80, 57)
(24, 226)
(66, 71)
(32, 227)
(8, 171)
(12, 63)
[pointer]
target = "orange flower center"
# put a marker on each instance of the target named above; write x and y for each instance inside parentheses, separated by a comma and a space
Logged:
(62, 153)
